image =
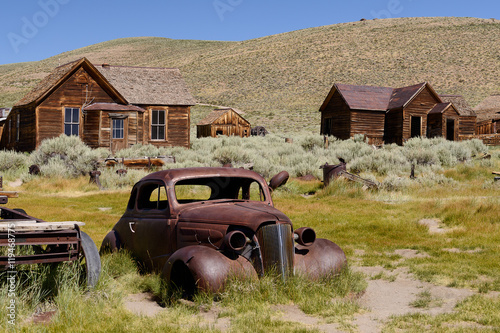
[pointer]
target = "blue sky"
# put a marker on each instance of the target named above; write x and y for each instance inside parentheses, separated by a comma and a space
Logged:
(32, 30)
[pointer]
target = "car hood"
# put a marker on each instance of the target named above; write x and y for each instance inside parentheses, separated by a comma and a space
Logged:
(244, 213)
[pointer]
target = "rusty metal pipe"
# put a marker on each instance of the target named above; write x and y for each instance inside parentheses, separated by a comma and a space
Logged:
(305, 236)
(235, 240)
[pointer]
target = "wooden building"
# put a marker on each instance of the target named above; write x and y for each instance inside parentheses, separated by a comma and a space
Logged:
(106, 106)
(442, 121)
(223, 122)
(390, 115)
(488, 115)
(349, 110)
(466, 114)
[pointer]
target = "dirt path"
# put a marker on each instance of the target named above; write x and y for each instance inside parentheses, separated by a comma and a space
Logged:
(388, 293)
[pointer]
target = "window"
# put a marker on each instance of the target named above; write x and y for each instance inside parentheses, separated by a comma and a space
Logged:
(71, 121)
(10, 129)
(152, 196)
(117, 128)
(158, 125)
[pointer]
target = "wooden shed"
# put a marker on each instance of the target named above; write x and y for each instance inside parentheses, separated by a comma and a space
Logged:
(81, 99)
(223, 122)
(488, 115)
(349, 110)
(407, 112)
(442, 121)
(466, 114)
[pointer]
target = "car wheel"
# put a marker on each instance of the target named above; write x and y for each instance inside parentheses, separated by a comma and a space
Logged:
(89, 257)
(182, 279)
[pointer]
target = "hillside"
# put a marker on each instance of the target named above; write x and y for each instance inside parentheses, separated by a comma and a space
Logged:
(288, 75)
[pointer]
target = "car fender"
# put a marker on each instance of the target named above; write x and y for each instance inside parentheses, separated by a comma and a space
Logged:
(208, 268)
(321, 259)
(110, 243)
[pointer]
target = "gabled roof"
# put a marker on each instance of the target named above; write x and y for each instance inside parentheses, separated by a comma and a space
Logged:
(148, 85)
(129, 85)
(402, 96)
(361, 97)
(113, 107)
(440, 108)
(52, 81)
(216, 114)
(460, 104)
(489, 108)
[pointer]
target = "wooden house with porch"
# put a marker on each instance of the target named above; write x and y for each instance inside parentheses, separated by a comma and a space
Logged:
(390, 115)
(488, 115)
(106, 106)
(223, 122)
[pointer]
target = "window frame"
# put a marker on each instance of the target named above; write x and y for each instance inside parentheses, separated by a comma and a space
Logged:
(155, 127)
(120, 130)
(72, 122)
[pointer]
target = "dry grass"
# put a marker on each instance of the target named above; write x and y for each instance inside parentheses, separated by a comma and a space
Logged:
(287, 76)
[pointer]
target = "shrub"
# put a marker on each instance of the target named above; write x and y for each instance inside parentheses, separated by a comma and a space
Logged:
(13, 164)
(66, 156)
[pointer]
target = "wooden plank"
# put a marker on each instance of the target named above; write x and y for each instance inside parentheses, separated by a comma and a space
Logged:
(9, 194)
(31, 225)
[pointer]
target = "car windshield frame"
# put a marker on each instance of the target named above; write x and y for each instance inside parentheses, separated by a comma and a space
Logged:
(221, 188)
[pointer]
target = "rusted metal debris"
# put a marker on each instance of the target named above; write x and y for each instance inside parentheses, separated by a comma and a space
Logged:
(94, 178)
(34, 169)
(141, 163)
(331, 172)
(197, 241)
(52, 242)
(121, 172)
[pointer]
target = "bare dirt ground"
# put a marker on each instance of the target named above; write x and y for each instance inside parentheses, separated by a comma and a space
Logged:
(388, 293)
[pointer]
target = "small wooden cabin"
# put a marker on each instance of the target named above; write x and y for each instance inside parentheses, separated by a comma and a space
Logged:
(488, 115)
(349, 110)
(407, 112)
(386, 114)
(223, 122)
(442, 121)
(106, 106)
(466, 114)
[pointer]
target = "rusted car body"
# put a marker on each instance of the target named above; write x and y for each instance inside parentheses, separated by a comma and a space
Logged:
(198, 226)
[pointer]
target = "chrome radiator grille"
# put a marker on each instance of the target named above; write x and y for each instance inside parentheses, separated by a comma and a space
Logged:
(276, 245)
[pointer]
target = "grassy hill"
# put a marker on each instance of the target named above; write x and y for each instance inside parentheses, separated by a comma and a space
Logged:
(277, 78)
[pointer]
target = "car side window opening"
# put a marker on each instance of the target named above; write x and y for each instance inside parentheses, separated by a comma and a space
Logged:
(152, 196)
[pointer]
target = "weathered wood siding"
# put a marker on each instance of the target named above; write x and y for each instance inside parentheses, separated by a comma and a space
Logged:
(369, 123)
(230, 123)
(418, 107)
(336, 118)
(451, 113)
(394, 127)
(177, 132)
(487, 127)
(72, 93)
(467, 125)
(27, 129)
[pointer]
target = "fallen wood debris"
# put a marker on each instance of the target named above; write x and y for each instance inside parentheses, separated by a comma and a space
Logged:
(366, 182)
(496, 173)
(144, 162)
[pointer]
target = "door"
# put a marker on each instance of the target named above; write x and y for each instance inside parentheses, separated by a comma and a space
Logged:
(450, 129)
(119, 133)
(416, 126)
(153, 229)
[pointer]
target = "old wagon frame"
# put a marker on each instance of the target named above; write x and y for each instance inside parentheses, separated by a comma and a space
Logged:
(51, 242)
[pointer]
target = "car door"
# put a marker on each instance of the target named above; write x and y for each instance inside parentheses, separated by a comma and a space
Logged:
(152, 227)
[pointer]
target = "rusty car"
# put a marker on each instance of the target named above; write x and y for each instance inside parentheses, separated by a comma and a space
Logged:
(198, 226)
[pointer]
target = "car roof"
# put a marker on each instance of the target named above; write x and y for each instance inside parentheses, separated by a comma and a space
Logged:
(202, 172)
